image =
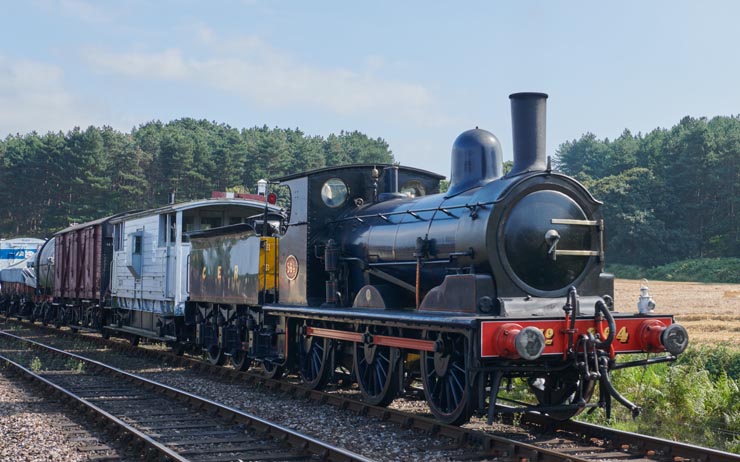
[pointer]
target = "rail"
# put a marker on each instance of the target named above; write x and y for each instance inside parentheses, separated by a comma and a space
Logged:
(622, 444)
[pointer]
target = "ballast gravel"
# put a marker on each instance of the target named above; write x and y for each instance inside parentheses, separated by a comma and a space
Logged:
(368, 436)
(30, 430)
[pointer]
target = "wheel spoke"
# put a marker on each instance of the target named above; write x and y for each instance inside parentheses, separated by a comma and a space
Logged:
(367, 373)
(378, 378)
(315, 362)
(454, 379)
(382, 366)
(456, 389)
(447, 403)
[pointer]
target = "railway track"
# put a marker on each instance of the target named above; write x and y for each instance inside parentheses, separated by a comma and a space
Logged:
(56, 434)
(544, 440)
(164, 422)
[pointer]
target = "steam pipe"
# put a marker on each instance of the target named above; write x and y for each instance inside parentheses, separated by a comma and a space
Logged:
(606, 343)
(528, 120)
(607, 385)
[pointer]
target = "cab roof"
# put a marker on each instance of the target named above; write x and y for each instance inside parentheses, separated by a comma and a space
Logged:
(257, 205)
(380, 167)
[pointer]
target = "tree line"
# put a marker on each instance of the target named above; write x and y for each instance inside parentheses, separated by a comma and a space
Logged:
(669, 195)
(49, 181)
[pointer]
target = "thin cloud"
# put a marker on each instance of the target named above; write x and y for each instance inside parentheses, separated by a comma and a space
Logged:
(85, 11)
(34, 97)
(252, 69)
(166, 65)
(339, 90)
(81, 10)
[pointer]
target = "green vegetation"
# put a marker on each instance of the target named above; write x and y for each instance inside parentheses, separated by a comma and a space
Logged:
(35, 365)
(717, 360)
(695, 400)
(697, 270)
(74, 365)
(52, 180)
(669, 195)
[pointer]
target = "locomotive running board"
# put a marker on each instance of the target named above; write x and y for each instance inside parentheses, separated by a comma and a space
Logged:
(380, 340)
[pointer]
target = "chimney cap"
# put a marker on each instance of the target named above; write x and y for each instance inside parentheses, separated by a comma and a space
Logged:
(528, 94)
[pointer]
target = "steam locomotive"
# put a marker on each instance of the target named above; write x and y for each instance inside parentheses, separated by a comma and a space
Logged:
(373, 270)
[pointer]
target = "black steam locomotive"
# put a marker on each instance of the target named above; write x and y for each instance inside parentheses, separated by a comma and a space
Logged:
(500, 277)
(372, 270)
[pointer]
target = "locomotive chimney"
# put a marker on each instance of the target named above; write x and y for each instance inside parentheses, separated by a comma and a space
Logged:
(528, 130)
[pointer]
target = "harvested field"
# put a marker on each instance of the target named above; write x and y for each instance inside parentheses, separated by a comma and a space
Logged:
(710, 312)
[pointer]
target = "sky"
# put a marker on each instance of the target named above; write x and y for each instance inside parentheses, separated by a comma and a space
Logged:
(414, 73)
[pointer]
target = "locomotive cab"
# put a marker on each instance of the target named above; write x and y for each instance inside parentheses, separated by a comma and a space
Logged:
(322, 198)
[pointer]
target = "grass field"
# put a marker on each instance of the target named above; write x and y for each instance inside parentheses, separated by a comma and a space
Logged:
(710, 312)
